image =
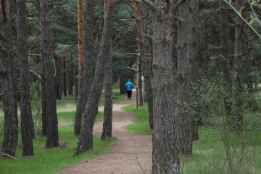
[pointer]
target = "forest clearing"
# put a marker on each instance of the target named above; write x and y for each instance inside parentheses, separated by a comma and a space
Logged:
(130, 86)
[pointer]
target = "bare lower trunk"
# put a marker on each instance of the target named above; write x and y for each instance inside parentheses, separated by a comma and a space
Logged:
(187, 53)
(27, 129)
(8, 84)
(148, 87)
(10, 112)
(138, 12)
(107, 122)
(43, 103)
(165, 155)
(49, 75)
(86, 137)
(89, 65)
(149, 98)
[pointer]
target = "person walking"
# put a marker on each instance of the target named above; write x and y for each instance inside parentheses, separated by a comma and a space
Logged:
(129, 86)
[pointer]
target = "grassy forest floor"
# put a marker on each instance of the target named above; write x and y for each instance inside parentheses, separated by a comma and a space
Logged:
(209, 152)
(51, 161)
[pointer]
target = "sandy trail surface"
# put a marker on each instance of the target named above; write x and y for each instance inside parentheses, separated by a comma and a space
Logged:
(130, 155)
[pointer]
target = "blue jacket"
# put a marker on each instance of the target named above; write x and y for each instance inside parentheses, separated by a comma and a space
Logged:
(129, 86)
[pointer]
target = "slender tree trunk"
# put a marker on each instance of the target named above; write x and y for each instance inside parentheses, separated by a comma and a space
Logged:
(65, 77)
(86, 137)
(149, 97)
(49, 75)
(87, 70)
(58, 79)
(147, 64)
(25, 100)
(138, 12)
(43, 103)
(165, 157)
(70, 80)
(81, 67)
(9, 87)
(187, 52)
(107, 120)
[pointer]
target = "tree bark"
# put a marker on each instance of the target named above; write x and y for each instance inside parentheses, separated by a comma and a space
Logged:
(138, 12)
(81, 67)
(27, 129)
(58, 79)
(86, 137)
(108, 105)
(87, 71)
(149, 96)
(7, 55)
(165, 157)
(43, 103)
(49, 75)
(187, 52)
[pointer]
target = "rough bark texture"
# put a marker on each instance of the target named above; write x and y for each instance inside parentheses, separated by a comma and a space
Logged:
(8, 80)
(165, 146)
(86, 78)
(86, 137)
(107, 122)
(148, 91)
(49, 75)
(147, 70)
(58, 79)
(187, 51)
(43, 104)
(24, 81)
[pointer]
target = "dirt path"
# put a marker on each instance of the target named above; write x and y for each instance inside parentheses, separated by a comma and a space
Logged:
(131, 155)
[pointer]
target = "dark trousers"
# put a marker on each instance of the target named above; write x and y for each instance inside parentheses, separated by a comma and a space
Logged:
(129, 94)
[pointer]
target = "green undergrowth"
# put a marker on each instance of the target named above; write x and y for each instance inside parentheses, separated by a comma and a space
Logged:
(209, 153)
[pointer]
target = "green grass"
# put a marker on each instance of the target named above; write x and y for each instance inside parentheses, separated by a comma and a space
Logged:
(141, 124)
(117, 96)
(209, 153)
(51, 161)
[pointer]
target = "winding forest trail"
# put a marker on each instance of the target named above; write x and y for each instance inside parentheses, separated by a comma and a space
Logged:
(130, 155)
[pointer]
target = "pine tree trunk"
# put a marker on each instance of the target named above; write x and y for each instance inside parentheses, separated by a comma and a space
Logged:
(10, 113)
(43, 103)
(165, 155)
(49, 75)
(10, 138)
(149, 97)
(108, 105)
(187, 53)
(147, 64)
(86, 137)
(87, 70)
(27, 129)
(138, 12)
(58, 79)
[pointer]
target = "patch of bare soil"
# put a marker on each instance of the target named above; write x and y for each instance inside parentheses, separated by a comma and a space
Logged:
(131, 155)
